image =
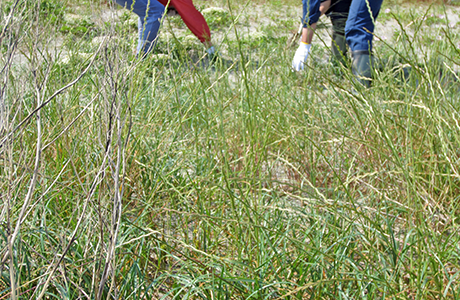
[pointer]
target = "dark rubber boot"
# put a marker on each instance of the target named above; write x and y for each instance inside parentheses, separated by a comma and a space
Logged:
(339, 47)
(362, 66)
(339, 44)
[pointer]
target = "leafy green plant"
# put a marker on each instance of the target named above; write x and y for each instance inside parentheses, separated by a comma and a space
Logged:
(77, 26)
(52, 11)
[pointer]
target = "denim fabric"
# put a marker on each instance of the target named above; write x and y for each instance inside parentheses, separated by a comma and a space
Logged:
(311, 12)
(360, 24)
(150, 13)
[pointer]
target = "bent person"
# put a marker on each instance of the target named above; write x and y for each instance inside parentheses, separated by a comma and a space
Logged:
(359, 28)
(150, 13)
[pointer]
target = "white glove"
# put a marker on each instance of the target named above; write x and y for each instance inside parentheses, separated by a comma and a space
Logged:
(301, 56)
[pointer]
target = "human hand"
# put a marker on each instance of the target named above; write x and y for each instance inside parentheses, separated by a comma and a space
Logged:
(301, 56)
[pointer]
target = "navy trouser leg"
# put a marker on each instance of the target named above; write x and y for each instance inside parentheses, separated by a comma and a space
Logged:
(311, 12)
(360, 24)
(150, 13)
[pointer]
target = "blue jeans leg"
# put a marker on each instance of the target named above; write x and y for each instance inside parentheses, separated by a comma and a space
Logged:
(150, 13)
(360, 24)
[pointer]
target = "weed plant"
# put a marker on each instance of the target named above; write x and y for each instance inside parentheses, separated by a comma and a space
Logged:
(174, 178)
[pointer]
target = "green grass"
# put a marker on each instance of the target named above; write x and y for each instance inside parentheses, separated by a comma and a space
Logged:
(170, 179)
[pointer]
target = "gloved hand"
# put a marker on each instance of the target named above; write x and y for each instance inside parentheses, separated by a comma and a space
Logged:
(301, 56)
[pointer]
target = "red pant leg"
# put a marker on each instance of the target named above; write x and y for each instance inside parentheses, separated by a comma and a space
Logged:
(192, 18)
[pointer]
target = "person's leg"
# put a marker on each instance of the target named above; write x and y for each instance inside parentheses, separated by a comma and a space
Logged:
(359, 34)
(150, 13)
(338, 44)
(338, 13)
(360, 24)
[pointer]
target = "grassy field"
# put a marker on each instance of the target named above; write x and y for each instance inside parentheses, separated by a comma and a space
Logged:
(174, 178)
